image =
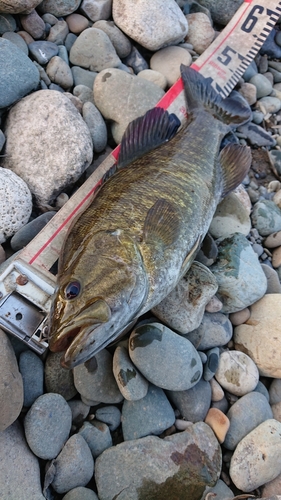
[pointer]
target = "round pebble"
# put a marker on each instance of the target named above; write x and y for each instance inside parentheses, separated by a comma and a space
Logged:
(32, 371)
(240, 317)
(77, 23)
(97, 436)
(110, 415)
(46, 435)
(200, 31)
(217, 391)
(237, 373)
(219, 422)
(80, 493)
(262, 85)
(167, 61)
(194, 403)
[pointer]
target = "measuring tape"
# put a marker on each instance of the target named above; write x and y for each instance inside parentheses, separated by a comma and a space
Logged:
(26, 285)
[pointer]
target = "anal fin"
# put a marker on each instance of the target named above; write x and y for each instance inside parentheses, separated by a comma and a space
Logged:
(235, 161)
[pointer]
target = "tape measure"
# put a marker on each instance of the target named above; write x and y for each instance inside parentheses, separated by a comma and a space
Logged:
(26, 286)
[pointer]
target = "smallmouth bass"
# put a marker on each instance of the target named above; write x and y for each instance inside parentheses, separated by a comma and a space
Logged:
(142, 231)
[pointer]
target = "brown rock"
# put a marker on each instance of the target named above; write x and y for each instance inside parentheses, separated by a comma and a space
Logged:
(77, 23)
(33, 24)
(200, 31)
(218, 422)
(276, 257)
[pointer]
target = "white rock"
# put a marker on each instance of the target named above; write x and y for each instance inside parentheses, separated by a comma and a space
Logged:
(237, 373)
(256, 459)
(152, 24)
(48, 143)
(168, 60)
(230, 217)
(154, 77)
(200, 31)
(16, 204)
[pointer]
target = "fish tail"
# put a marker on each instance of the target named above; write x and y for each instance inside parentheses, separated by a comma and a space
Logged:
(199, 93)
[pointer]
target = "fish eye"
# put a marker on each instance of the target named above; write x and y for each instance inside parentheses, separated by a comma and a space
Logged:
(72, 290)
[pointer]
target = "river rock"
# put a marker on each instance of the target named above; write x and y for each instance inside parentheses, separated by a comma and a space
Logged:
(57, 378)
(58, 34)
(18, 6)
(93, 50)
(74, 466)
(17, 40)
(80, 493)
(214, 330)
(273, 282)
(221, 491)
(46, 435)
(98, 385)
(256, 135)
(18, 75)
(33, 24)
(183, 308)
(59, 8)
(120, 42)
(167, 61)
(121, 98)
(32, 371)
(237, 373)
(200, 31)
(152, 414)
(16, 205)
(194, 403)
(59, 72)
(77, 23)
(64, 150)
(83, 77)
(255, 460)
(97, 436)
(262, 84)
(152, 25)
(96, 9)
(239, 274)
(211, 365)
(164, 358)
(173, 467)
(218, 422)
(244, 416)
(260, 336)
(79, 411)
(19, 468)
(11, 385)
(96, 125)
(154, 76)
(275, 391)
(230, 217)
(110, 415)
(131, 383)
(266, 217)
(43, 51)
(26, 233)
(221, 11)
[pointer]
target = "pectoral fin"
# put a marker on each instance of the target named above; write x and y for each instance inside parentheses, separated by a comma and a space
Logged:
(162, 223)
(146, 133)
(235, 161)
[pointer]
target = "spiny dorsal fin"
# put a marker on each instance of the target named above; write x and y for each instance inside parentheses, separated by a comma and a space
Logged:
(146, 133)
(200, 93)
(235, 161)
(162, 223)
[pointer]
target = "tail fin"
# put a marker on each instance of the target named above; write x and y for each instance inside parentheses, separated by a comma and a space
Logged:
(200, 93)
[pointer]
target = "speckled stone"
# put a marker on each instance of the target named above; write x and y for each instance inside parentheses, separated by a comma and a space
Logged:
(266, 217)
(237, 373)
(57, 378)
(215, 330)
(152, 414)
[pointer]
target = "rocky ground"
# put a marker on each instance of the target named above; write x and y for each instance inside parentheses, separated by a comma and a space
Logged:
(188, 405)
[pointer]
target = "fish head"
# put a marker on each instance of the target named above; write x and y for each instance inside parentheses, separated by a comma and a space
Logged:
(102, 284)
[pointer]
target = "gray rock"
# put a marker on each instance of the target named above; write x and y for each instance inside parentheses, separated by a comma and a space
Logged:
(83, 77)
(250, 71)
(32, 371)
(96, 125)
(270, 104)
(2, 140)
(266, 217)
(59, 72)
(83, 93)
(17, 40)
(63, 54)
(237, 372)
(97, 436)
(270, 47)
(221, 405)
(11, 386)
(173, 467)
(43, 51)
(57, 378)
(231, 216)
(263, 390)
(214, 330)
(208, 252)
(275, 391)
(245, 415)
(93, 50)
(221, 11)
(69, 41)
(110, 415)
(79, 411)
(193, 404)
(63, 152)
(19, 468)
(135, 61)
(33, 24)
(273, 282)
(7, 23)
(74, 466)
(221, 490)
(47, 434)
(80, 493)
(211, 365)
(25, 234)
(152, 414)
(18, 75)
(58, 32)
(183, 308)
(131, 383)
(255, 460)
(239, 274)
(98, 385)
(262, 85)
(120, 42)
(96, 9)
(58, 9)
(16, 209)
(165, 358)
(256, 135)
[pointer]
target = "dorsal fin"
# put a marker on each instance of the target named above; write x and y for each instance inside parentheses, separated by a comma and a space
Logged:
(146, 133)
(162, 223)
(235, 161)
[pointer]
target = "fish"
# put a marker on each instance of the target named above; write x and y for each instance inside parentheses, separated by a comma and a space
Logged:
(144, 227)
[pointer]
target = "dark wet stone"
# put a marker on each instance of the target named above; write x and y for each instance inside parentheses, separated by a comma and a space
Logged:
(30, 230)
(212, 363)
(32, 371)
(136, 61)
(110, 415)
(43, 51)
(97, 436)
(193, 404)
(270, 47)
(208, 251)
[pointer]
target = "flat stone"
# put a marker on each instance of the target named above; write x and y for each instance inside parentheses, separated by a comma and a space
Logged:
(237, 373)
(11, 385)
(194, 403)
(18, 75)
(93, 50)
(244, 416)
(255, 460)
(183, 308)
(19, 468)
(46, 435)
(214, 330)
(130, 381)
(164, 358)
(152, 414)
(43, 51)
(260, 336)
(59, 8)
(173, 467)
(152, 25)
